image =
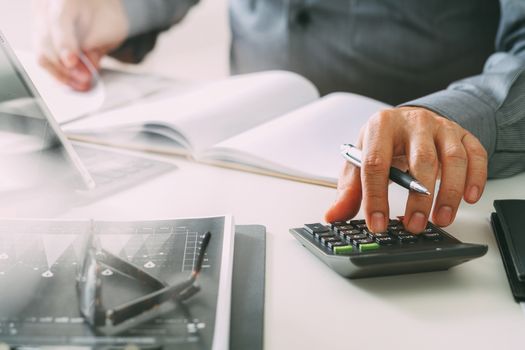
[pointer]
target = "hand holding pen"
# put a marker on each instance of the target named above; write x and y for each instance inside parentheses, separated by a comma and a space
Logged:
(354, 155)
(70, 33)
(428, 144)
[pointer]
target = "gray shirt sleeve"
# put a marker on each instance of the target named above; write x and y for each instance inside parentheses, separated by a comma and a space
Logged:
(492, 105)
(147, 18)
(154, 15)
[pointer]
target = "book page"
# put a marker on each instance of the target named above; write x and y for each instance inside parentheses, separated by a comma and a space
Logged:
(209, 114)
(304, 143)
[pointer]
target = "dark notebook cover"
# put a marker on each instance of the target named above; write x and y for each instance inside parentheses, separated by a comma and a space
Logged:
(508, 224)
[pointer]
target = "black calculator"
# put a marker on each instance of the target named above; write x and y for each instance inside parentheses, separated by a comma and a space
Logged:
(353, 251)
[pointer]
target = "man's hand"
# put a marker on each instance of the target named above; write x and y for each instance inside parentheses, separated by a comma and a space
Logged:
(66, 28)
(424, 142)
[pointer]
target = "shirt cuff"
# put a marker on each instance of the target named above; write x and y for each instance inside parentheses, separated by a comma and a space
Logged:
(145, 16)
(469, 111)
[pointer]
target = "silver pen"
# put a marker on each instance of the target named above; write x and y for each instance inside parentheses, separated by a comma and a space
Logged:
(353, 155)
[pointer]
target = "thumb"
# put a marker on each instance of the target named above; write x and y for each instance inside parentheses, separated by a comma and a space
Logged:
(349, 196)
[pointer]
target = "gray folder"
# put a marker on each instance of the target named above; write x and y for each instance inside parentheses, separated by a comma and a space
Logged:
(247, 311)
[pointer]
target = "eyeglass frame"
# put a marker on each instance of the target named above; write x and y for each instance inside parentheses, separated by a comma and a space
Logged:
(99, 317)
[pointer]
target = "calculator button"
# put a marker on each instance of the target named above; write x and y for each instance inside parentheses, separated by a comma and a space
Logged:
(395, 228)
(348, 238)
(358, 242)
(320, 236)
(407, 239)
(338, 223)
(340, 229)
(357, 222)
(380, 235)
(352, 238)
(316, 228)
(375, 234)
(432, 236)
(368, 246)
(350, 232)
(326, 240)
(345, 249)
(385, 240)
(332, 245)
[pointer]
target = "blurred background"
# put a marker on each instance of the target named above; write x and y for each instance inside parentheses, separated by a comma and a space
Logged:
(195, 49)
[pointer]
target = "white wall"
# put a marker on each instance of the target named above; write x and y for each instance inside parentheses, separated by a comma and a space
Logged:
(196, 49)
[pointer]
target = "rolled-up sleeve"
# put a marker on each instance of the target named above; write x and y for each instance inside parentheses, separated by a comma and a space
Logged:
(492, 105)
(154, 15)
(147, 18)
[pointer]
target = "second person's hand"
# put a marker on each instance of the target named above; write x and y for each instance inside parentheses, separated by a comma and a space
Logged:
(67, 28)
(424, 142)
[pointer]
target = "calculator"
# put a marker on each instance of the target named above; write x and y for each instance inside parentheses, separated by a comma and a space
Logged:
(353, 251)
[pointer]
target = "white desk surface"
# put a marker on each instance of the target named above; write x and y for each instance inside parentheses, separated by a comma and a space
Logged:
(310, 307)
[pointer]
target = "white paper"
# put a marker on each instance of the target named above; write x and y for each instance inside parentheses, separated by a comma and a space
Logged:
(212, 113)
(305, 142)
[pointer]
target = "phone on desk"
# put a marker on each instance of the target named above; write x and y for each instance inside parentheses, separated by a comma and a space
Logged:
(353, 251)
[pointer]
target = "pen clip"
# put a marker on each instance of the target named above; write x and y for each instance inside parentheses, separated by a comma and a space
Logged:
(95, 76)
(345, 147)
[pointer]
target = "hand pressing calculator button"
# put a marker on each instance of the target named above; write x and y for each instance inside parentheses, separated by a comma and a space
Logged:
(353, 251)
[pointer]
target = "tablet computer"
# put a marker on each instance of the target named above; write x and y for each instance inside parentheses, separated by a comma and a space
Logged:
(33, 149)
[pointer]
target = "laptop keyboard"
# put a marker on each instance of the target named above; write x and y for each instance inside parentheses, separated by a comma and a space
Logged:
(113, 170)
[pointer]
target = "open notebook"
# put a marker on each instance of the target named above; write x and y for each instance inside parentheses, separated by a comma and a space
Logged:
(119, 88)
(271, 122)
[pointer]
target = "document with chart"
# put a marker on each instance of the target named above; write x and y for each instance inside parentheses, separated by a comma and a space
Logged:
(153, 284)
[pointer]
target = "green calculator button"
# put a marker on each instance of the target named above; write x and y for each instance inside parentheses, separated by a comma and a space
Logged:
(343, 249)
(368, 246)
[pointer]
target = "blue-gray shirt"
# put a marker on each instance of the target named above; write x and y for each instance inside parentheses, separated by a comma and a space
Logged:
(464, 59)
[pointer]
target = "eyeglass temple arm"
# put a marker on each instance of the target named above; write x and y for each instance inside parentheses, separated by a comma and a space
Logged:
(179, 291)
(138, 306)
(131, 270)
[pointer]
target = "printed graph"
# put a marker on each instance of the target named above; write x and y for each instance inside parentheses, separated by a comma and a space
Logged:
(40, 261)
(144, 245)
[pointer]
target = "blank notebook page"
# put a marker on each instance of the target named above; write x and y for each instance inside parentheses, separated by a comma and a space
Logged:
(304, 142)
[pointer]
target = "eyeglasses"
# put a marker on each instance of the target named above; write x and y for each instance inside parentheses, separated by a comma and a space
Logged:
(89, 287)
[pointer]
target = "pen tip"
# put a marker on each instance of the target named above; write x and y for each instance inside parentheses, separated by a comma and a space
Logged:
(416, 186)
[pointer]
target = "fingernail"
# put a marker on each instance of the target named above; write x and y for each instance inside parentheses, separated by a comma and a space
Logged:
(473, 194)
(80, 76)
(417, 222)
(378, 222)
(444, 216)
(75, 85)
